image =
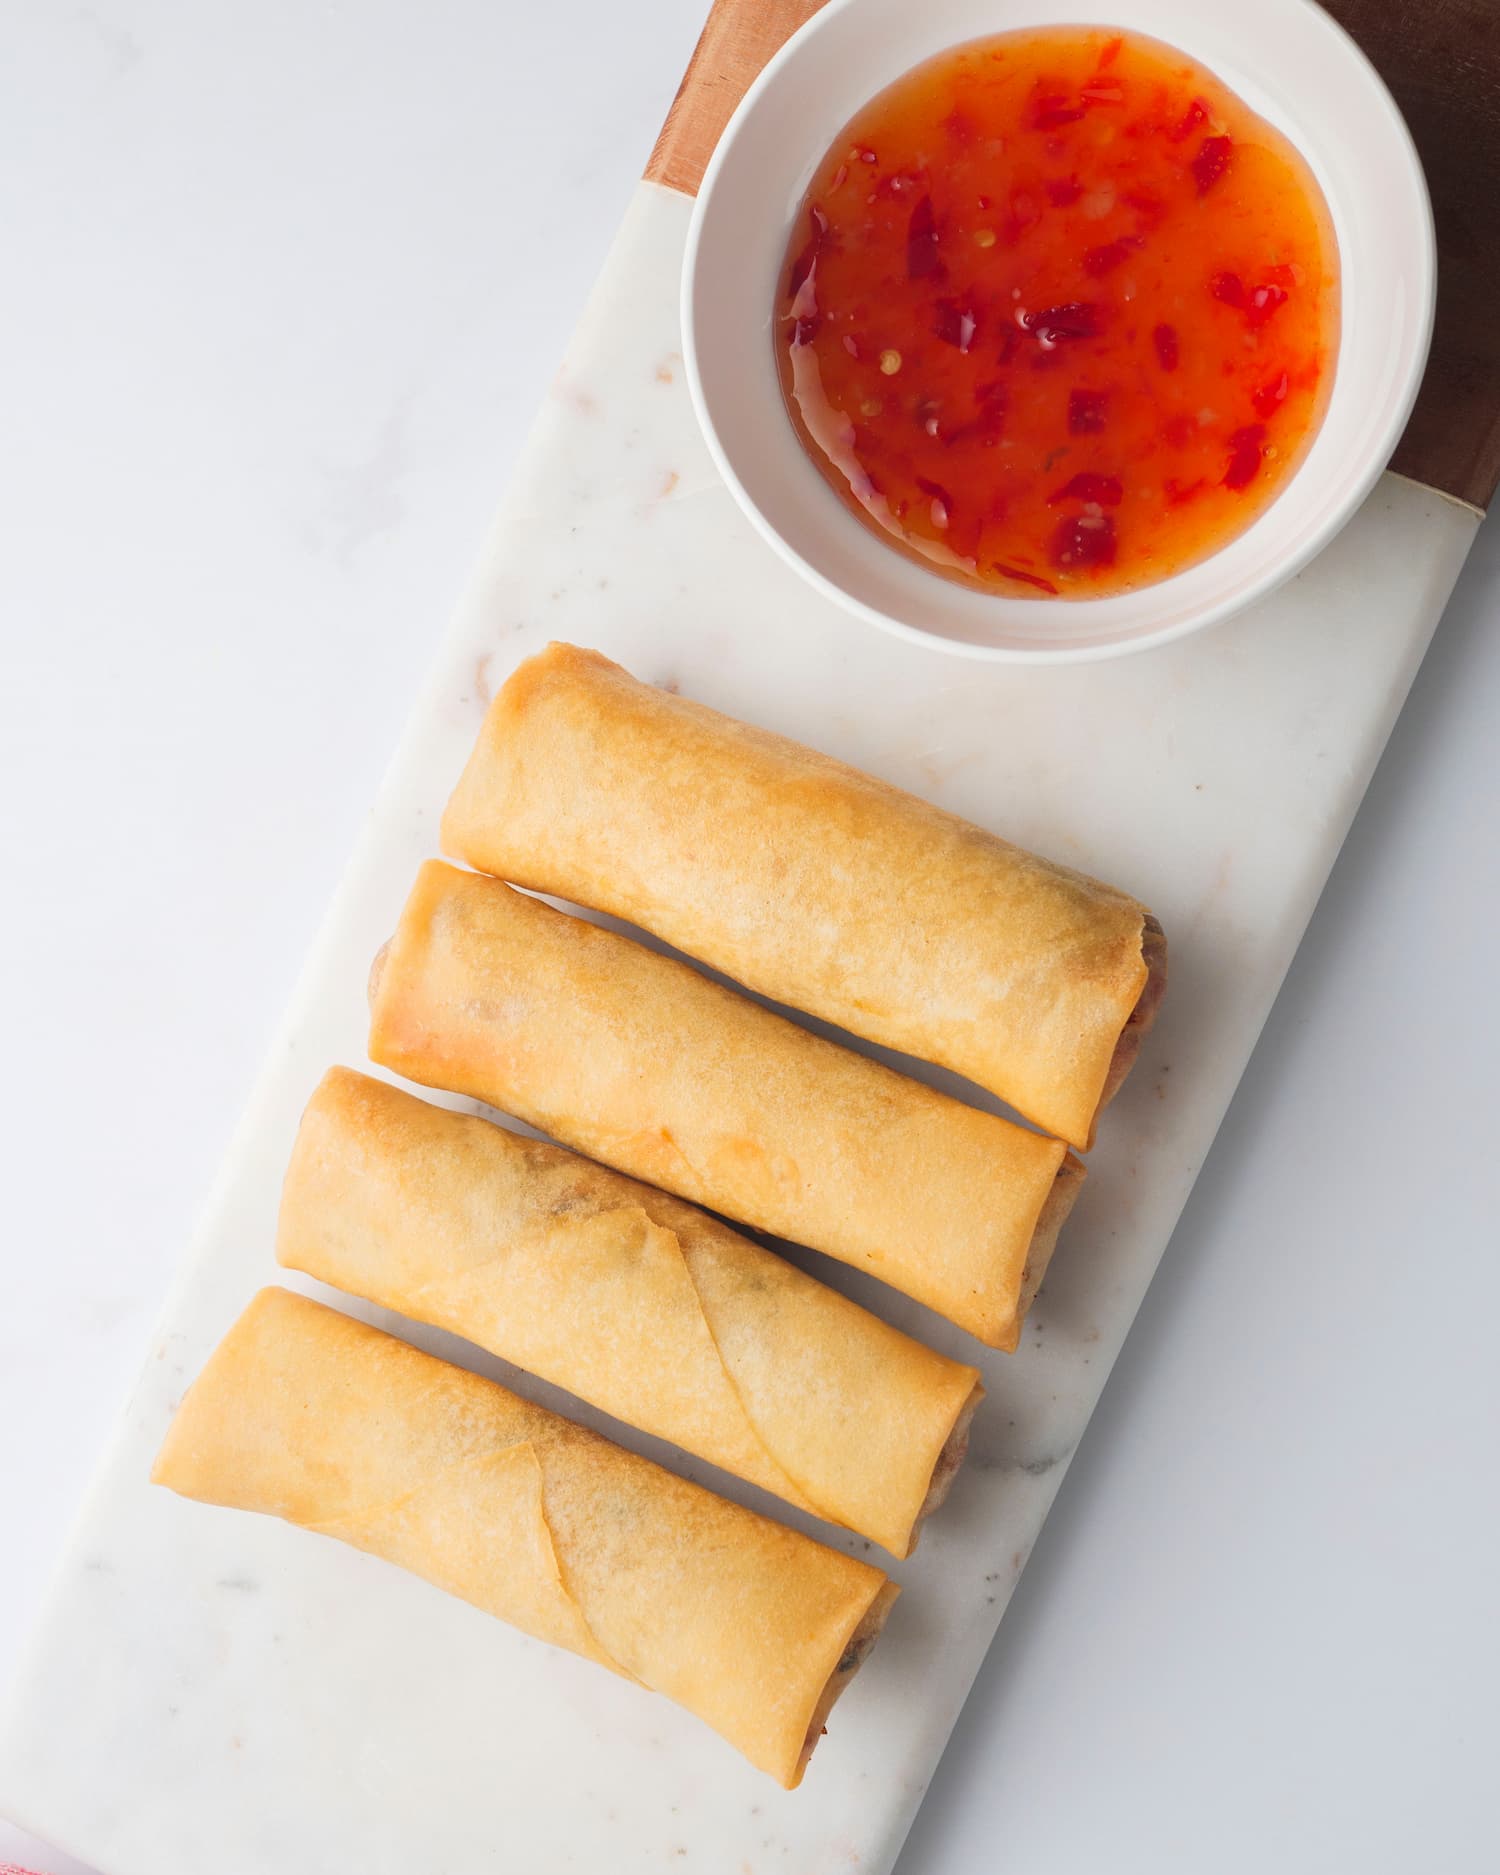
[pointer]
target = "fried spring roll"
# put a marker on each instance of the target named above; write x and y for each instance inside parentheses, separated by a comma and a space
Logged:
(630, 1299)
(307, 1415)
(638, 1060)
(813, 884)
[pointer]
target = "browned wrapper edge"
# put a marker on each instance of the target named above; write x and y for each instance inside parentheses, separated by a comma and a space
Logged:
(856, 1651)
(1054, 1214)
(1442, 64)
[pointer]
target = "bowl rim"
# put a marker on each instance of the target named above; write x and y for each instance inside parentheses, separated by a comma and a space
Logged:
(1379, 450)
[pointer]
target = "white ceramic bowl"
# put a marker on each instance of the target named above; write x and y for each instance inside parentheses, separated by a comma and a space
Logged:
(1288, 61)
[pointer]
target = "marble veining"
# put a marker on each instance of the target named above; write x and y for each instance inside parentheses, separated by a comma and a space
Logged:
(213, 1691)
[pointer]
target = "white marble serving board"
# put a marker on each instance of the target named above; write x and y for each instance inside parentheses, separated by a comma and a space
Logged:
(215, 1692)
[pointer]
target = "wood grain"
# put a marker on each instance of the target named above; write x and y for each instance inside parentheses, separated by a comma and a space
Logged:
(1441, 59)
(741, 36)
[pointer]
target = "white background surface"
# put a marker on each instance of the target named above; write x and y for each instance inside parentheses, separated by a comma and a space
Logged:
(280, 290)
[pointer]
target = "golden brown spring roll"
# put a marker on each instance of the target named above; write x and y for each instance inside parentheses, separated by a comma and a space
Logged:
(638, 1060)
(629, 1298)
(307, 1415)
(813, 884)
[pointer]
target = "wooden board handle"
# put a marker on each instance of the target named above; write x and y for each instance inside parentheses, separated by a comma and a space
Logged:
(1441, 59)
(741, 37)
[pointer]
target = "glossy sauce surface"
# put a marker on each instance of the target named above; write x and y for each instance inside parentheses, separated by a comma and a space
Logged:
(1059, 313)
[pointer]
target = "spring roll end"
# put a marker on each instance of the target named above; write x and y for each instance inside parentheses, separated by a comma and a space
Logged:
(856, 1650)
(1059, 1201)
(1141, 1017)
(949, 1462)
(377, 971)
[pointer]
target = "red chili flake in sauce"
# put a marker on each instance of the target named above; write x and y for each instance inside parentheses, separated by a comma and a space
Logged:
(955, 324)
(1195, 114)
(1052, 109)
(1026, 579)
(1098, 261)
(922, 258)
(1025, 212)
(1083, 540)
(1244, 455)
(1086, 486)
(1038, 268)
(1257, 303)
(1210, 162)
(1263, 301)
(1087, 412)
(1271, 395)
(897, 185)
(1149, 207)
(1078, 319)
(986, 424)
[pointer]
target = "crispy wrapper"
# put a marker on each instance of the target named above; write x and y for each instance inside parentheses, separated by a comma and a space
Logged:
(307, 1415)
(812, 883)
(629, 1298)
(638, 1060)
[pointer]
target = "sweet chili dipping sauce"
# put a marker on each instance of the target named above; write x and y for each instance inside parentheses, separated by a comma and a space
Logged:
(1059, 313)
